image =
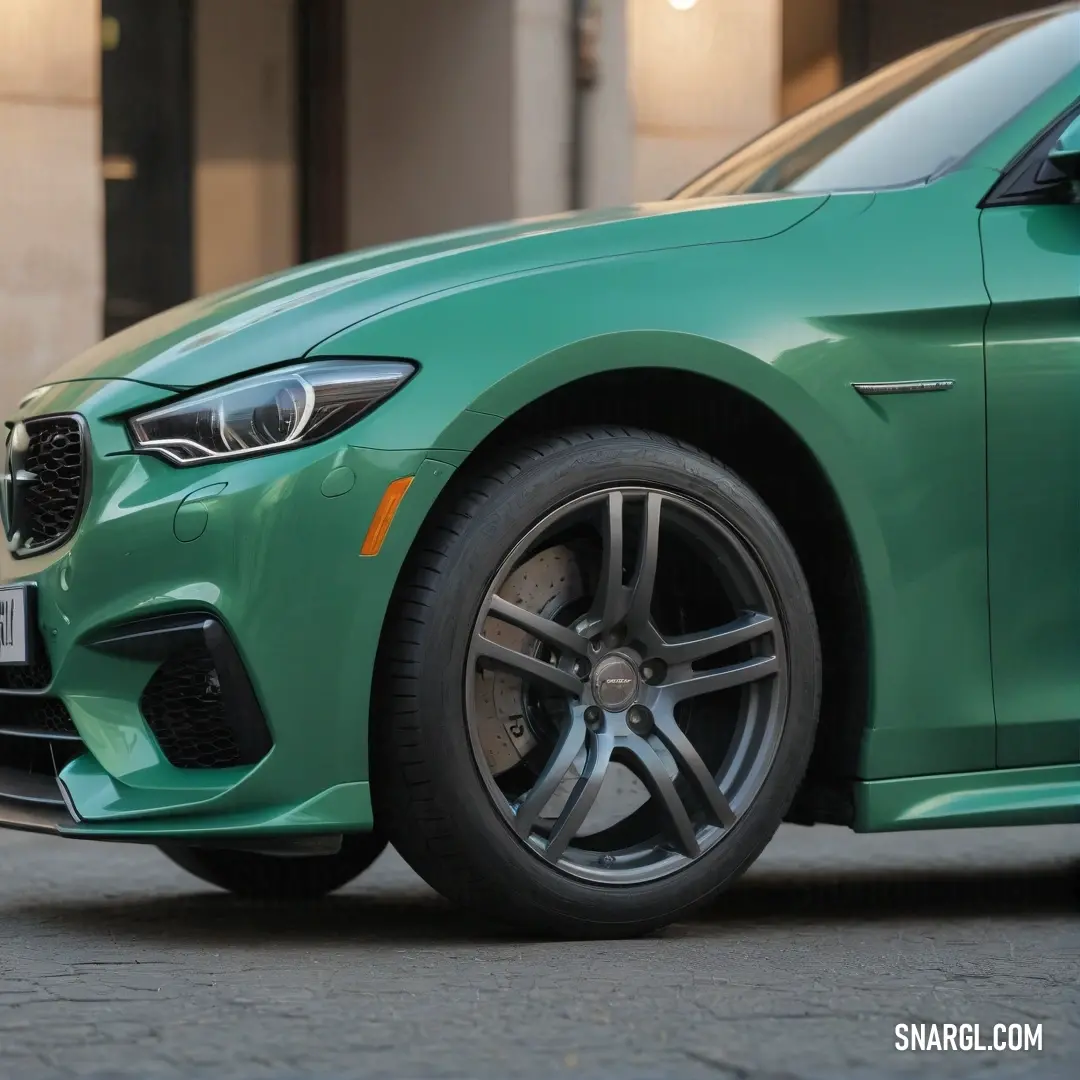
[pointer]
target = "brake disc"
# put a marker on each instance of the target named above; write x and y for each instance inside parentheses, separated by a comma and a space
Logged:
(547, 583)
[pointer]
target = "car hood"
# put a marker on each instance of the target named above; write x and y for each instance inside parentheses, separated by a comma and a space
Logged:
(282, 317)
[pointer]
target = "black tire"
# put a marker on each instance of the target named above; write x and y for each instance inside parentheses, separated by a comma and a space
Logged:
(431, 795)
(257, 876)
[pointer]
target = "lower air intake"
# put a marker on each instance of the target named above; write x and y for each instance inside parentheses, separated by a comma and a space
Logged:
(184, 708)
(199, 704)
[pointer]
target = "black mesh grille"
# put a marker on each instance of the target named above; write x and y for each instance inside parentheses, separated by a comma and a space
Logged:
(53, 501)
(36, 715)
(184, 709)
(36, 676)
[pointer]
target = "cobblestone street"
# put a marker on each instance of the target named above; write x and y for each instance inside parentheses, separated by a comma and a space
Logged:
(114, 964)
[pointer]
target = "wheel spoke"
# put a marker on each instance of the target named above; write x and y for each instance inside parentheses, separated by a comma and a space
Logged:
(491, 655)
(582, 797)
(691, 647)
(616, 602)
(571, 740)
(639, 606)
(545, 630)
(694, 770)
(642, 760)
(610, 604)
(705, 682)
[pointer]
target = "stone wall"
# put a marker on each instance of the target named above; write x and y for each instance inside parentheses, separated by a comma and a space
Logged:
(245, 192)
(704, 81)
(430, 106)
(51, 190)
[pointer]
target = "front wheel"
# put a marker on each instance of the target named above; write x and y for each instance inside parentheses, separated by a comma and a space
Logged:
(256, 876)
(599, 687)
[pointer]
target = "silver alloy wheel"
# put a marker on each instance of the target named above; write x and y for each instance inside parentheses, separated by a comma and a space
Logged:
(671, 665)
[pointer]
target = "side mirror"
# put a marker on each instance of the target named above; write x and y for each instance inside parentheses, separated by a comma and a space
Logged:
(1065, 157)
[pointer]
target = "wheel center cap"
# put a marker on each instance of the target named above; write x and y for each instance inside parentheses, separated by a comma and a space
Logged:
(615, 683)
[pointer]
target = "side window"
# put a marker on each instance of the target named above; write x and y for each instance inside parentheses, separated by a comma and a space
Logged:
(1032, 180)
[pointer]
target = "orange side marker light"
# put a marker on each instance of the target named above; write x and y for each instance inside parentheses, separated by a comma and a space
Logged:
(384, 515)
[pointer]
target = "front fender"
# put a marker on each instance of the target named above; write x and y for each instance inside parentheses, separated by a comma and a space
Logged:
(488, 351)
(768, 384)
(848, 295)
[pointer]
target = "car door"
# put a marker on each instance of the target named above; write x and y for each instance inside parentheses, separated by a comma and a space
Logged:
(1031, 242)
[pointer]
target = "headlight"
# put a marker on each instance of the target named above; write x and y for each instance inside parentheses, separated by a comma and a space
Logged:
(274, 411)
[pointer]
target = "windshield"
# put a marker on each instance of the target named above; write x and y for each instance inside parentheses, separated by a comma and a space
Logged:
(910, 120)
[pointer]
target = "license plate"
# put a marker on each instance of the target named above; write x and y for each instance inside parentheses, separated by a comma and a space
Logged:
(16, 618)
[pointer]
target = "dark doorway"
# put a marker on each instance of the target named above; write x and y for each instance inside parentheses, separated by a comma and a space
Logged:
(146, 105)
(876, 32)
(321, 82)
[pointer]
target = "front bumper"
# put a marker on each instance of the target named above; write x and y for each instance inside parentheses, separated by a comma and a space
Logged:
(267, 549)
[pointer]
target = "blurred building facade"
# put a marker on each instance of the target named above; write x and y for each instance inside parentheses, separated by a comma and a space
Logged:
(160, 149)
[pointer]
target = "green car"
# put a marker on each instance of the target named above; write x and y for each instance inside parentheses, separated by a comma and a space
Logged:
(572, 556)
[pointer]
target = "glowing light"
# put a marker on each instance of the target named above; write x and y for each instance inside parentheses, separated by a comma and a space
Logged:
(682, 5)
